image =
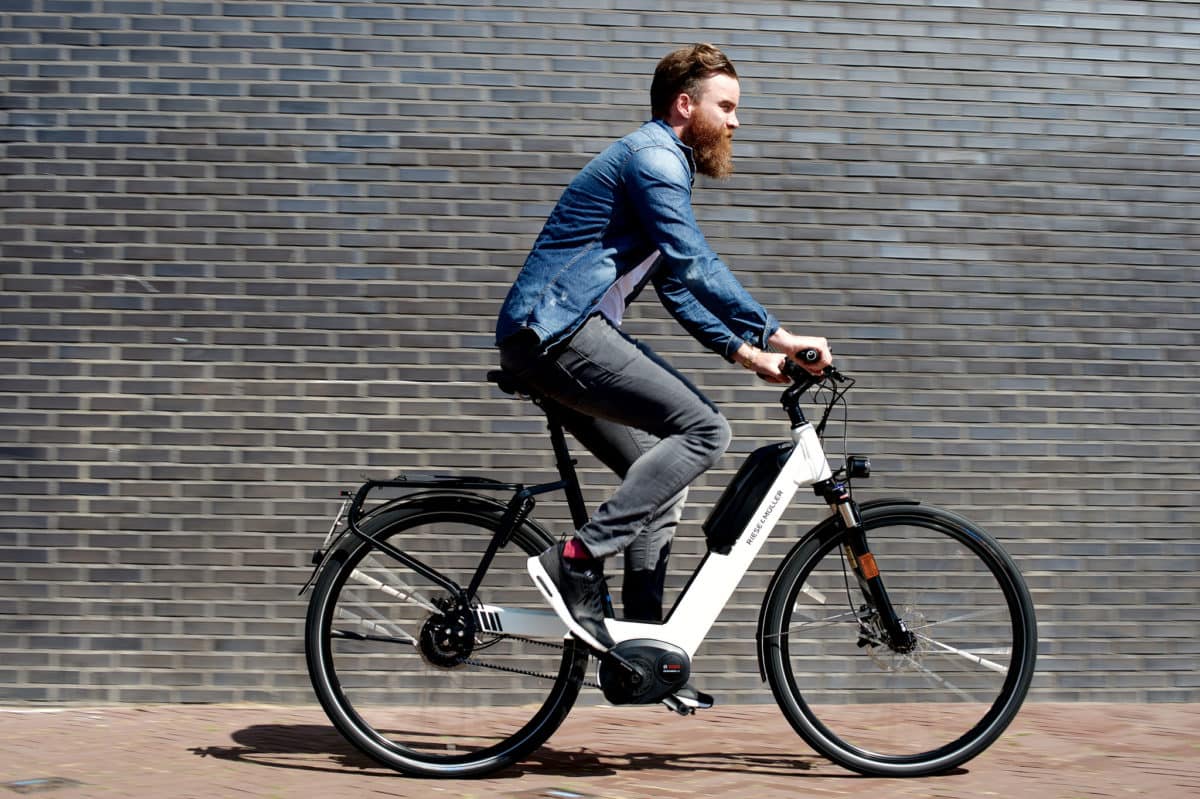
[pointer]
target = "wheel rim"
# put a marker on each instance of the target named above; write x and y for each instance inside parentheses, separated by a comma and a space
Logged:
(405, 707)
(935, 706)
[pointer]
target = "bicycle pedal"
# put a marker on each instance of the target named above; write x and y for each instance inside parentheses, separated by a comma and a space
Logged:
(673, 703)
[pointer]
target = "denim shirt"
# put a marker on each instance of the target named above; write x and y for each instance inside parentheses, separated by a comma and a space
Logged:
(632, 200)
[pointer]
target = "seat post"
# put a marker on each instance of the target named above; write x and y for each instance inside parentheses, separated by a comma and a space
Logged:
(566, 470)
(510, 383)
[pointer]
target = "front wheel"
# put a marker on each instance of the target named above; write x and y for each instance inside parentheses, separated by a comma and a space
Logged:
(410, 678)
(920, 706)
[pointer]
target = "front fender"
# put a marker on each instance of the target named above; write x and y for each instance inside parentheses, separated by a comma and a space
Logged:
(828, 526)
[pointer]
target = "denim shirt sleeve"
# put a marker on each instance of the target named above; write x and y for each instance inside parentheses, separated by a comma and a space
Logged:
(695, 286)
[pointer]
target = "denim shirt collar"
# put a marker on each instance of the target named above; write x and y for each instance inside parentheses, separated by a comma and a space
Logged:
(683, 148)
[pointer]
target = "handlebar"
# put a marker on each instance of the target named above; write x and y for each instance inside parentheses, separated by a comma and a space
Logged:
(799, 375)
(810, 355)
(803, 380)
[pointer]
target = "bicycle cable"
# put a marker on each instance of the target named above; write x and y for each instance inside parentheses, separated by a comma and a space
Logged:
(837, 392)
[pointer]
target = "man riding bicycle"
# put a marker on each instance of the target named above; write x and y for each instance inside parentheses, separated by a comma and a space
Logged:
(626, 220)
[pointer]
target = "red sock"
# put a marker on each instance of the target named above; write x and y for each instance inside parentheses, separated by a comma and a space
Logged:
(575, 550)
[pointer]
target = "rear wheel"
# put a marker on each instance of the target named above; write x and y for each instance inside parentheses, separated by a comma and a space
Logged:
(415, 681)
(915, 707)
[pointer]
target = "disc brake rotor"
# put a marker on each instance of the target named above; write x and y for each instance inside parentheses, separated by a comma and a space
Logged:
(888, 659)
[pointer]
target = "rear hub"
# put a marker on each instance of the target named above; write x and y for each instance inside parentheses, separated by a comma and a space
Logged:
(448, 638)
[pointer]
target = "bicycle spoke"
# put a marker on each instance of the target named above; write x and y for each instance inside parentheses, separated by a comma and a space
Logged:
(817, 624)
(384, 639)
(973, 657)
(827, 621)
(937, 678)
(979, 614)
(404, 592)
(382, 627)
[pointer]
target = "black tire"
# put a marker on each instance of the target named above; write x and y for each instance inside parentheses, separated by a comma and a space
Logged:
(879, 712)
(390, 701)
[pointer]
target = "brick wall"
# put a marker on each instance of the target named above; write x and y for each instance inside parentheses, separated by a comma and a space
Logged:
(252, 251)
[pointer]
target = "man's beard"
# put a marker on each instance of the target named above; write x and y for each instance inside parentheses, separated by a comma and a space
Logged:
(712, 147)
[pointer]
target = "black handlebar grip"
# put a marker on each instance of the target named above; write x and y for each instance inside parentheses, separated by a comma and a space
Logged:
(810, 355)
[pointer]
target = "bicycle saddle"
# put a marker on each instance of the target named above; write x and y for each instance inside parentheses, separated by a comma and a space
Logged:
(508, 382)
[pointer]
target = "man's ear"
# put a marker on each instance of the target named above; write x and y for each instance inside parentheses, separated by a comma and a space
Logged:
(683, 105)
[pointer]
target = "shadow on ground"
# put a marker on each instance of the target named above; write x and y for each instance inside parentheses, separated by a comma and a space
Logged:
(312, 747)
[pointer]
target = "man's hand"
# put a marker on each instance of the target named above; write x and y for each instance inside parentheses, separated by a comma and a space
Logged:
(767, 365)
(790, 345)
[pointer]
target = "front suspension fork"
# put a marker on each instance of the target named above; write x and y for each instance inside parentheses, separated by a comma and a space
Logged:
(854, 545)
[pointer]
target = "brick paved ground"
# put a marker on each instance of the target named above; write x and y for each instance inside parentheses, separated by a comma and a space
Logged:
(1052, 750)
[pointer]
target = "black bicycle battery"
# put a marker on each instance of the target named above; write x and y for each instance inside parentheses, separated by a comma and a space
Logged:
(743, 495)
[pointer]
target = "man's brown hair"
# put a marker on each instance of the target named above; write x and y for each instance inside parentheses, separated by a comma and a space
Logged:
(682, 71)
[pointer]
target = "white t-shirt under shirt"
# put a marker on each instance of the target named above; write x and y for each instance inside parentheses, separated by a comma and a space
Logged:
(613, 303)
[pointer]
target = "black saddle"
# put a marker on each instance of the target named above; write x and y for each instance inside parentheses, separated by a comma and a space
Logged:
(509, 383)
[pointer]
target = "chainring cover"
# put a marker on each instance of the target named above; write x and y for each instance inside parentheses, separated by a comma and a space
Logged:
(660, 669)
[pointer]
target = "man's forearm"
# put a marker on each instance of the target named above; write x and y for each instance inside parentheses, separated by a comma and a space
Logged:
(745, 355)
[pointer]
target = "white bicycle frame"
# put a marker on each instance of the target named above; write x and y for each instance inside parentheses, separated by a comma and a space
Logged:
(714, 582)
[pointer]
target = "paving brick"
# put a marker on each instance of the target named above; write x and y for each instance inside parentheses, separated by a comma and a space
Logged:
(266, 750)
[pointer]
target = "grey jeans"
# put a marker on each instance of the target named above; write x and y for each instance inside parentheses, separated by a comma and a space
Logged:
(643, 420)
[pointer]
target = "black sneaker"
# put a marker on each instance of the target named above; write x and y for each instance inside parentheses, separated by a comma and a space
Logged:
(576, 593)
